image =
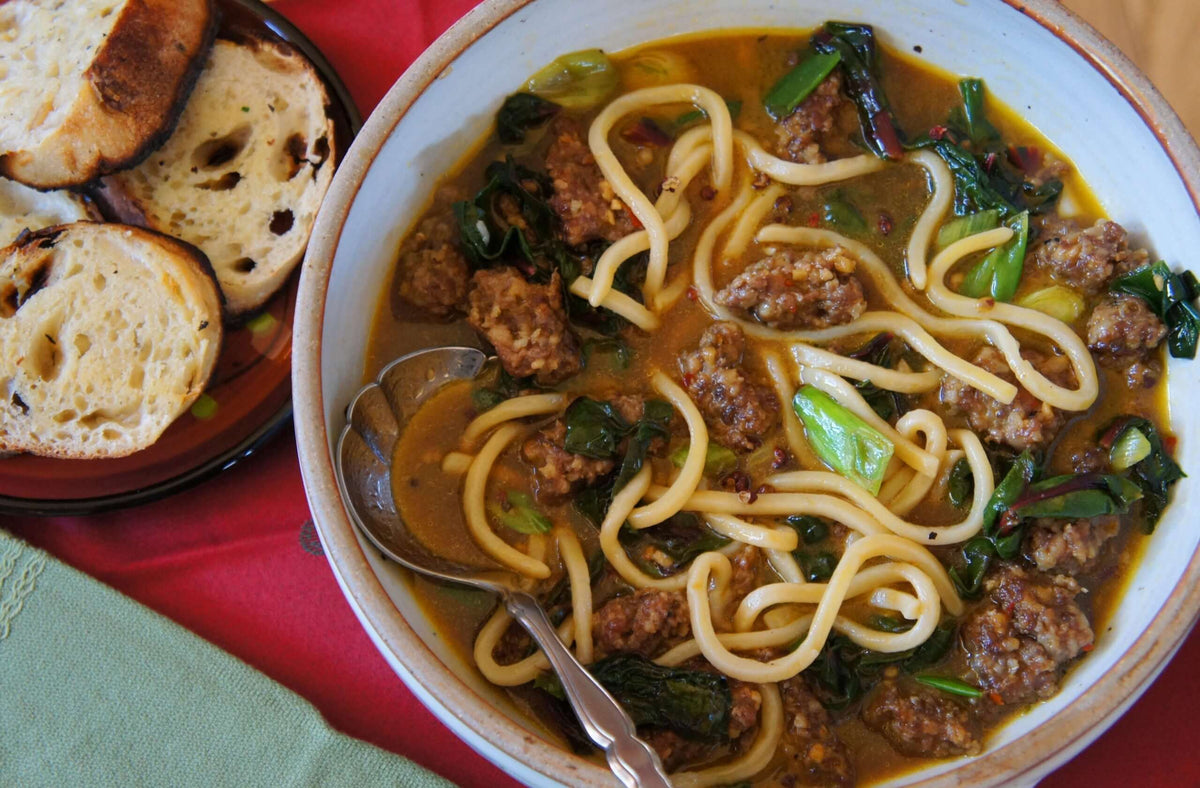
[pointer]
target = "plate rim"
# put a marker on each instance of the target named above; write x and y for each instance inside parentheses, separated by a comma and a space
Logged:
(265, 431)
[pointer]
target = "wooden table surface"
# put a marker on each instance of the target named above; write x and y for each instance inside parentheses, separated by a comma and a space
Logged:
(1160, 36)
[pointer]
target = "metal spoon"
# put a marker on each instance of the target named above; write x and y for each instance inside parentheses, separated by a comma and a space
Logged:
(375, 419)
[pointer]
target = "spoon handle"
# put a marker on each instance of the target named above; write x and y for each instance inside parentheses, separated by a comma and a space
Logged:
(632, 760)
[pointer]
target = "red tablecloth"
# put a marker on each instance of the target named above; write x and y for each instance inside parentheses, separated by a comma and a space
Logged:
(236, 560)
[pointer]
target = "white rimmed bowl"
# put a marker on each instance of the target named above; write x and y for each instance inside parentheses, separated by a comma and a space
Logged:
(1034, 55)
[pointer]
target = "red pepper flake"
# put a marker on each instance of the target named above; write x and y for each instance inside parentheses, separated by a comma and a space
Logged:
(937, 132)
(885, 223)
(1169, 442)
(989, 162)
(1025, 157)
(688, 379)
(1088, 648)
(693, 294)
(707, 192)
(996, 698)
(780, 458)
(814, 219)
(646, 133)
(636, 222)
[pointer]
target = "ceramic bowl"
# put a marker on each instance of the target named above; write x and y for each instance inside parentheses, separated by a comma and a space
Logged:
(1074, 86)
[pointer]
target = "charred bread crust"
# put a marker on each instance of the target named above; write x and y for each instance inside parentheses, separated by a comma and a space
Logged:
(135, 90)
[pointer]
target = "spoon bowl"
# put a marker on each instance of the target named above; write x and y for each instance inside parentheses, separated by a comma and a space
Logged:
(375, 420)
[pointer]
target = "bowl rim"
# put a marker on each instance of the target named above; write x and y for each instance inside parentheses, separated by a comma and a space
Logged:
(1058, 739)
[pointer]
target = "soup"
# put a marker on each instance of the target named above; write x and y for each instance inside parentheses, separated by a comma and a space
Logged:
(828, 411)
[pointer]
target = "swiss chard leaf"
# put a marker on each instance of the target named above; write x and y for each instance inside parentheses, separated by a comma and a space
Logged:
(976, 558)
(520, 113)
(1154, 474)
(961, 483)
(680, 538)
(696, 704)
(1172, 297)
(654, 423)
(811, 529)
(855, 45)
(594, 428)
(718, 460)
(881, 351)
(972, 115)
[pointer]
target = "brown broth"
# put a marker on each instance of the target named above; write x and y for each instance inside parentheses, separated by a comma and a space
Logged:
(740, 65)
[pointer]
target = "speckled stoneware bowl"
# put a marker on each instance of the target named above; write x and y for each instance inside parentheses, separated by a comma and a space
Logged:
(1074, 86)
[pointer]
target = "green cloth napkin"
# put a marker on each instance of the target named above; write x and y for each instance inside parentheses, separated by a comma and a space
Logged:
(97, 690)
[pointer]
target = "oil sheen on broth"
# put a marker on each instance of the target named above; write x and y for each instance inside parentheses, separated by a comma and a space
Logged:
(853, 730)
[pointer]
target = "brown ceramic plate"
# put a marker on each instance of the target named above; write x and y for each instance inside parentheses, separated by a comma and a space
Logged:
(249, 398)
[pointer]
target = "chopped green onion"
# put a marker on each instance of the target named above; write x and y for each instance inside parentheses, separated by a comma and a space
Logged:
(999, 273)
(951, 685)
(522, 517)
(966, 226)
(718, 460)
(1060, 303)
(579, 80)
(1130, 449)
(796, 85)
(842, 440)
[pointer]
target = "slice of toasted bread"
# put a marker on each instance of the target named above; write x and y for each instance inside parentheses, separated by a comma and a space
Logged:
(23, 208)
(244, 173)
(91, 86)
(107, 334)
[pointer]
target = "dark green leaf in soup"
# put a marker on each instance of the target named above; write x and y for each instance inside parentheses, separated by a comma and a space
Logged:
(881, 350)
(970, 116)
(961, 483)
(613, 348)
(1172, 297)
(696, 115)
(594, 428)
(667, 548)
(811, 529)
(519, 514)
(693, 703)
(1150, 467)
(843, 215)
(855, 45)
(654, 424)
(520, 113)
(718, 460)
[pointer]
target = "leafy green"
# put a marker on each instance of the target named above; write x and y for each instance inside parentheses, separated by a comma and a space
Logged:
(999, 273)
(1074, 496)
(951, 685)
(881, 351)
(842, 214)
(889, 623)
(681, 537)
(654, 423)
(1061, 303)
(796, 85)
(696, 115)
(817, 567)
(615, 348)
(855, 45)
(842, 440)
(696, 704)
(1172, 297)
(811, 529)
(961, 483)
(718, 460)
(594, 428)
(486, 231)
(521, 516)
(971, 115)
(503, 386)
(976, 556)
(1155, 473)
(520, 113)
